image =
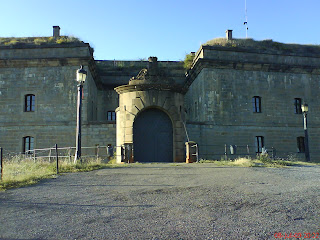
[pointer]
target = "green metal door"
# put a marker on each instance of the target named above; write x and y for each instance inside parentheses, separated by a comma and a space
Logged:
(153, 137)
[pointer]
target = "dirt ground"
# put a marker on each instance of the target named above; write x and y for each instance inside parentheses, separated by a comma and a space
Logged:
(167, 201)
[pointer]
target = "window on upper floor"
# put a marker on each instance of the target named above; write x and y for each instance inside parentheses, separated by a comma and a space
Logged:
(111, 116)
(256, 104)
(297, 105)
(28, 144)
(300, 144)
(259, 144)
(29, 103)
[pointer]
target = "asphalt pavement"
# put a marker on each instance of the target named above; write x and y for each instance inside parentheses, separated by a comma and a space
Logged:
(167, 201)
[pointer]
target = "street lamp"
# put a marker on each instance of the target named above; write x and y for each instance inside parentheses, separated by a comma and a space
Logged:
(81, 78)
(305, 109)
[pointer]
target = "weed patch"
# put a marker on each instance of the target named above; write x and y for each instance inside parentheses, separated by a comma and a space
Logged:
(19, 172)
(262, 160)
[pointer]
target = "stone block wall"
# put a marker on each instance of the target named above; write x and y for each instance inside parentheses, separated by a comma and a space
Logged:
(54, 89)
(108, 100)
(282, 142)
(49, 73)
(220, 108)
(90, 99)
(99, 134)
(54, 111)
(44, 136)
(225, 97)
(63, 135)
(48, 51)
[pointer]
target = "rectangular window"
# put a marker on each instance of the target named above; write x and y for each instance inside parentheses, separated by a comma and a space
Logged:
(29, 103)
(28, 143)
(256, 104)
(259, 144)
(300, 144)
(297, 105)
(111, 116)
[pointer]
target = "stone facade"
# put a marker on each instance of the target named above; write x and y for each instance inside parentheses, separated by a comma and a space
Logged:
(235, 94)
(223, 83)
(48, 73)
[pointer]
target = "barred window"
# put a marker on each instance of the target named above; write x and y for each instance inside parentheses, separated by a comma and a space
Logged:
(297, 105)
(259, 144)
(29, 103)
(256, 104)
(111, 116)
(28, 143)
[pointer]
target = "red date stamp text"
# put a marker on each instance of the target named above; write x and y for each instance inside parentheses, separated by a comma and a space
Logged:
(297, 235)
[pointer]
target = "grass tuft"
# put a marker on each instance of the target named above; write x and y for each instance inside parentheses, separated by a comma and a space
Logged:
(244, 162)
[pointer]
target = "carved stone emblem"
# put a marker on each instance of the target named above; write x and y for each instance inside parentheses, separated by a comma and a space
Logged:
(153, 75)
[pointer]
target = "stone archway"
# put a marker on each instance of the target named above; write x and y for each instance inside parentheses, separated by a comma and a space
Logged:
(153, 136)
(151, 96)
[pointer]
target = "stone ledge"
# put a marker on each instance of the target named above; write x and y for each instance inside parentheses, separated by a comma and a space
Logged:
(145, 87)
(43, 62)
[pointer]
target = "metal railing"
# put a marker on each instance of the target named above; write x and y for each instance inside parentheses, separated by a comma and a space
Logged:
(227, 151)
(196, 152)
(69, 152)
(53, 155)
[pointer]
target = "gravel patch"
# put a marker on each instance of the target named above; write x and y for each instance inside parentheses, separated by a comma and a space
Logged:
(166, 201)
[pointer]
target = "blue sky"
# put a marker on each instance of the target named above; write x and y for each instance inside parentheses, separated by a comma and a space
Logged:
(168, 29)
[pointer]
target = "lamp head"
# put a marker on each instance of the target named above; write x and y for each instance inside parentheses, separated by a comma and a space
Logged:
(304, 107)
(81, 75)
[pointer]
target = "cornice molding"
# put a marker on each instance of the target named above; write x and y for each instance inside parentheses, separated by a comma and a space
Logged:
(147, 87)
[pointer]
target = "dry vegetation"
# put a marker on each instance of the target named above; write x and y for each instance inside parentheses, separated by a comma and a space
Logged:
(265, 45)
(18, 171)
(259, 161)
(187, 63)
(37, 40)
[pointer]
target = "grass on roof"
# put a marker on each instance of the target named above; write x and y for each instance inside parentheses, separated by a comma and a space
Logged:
(37, 40)
(265, 45)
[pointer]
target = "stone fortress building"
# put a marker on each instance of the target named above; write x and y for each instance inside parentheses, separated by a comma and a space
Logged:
(237, 92)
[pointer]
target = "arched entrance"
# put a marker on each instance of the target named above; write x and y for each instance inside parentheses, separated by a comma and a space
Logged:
(153, 137)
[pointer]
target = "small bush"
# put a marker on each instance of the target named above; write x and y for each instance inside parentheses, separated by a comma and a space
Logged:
(264, 158)
(292, 158)
(187, 63)
(11, 42)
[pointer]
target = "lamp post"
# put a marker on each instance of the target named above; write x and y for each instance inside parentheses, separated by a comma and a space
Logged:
(81, 78)
(305, 109)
